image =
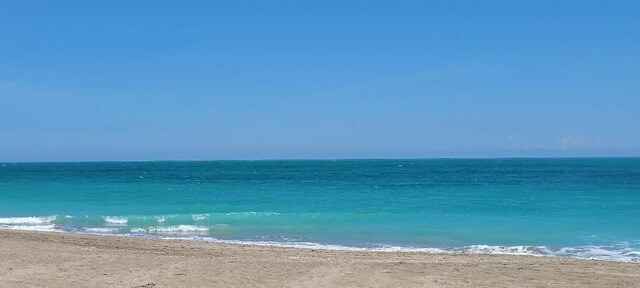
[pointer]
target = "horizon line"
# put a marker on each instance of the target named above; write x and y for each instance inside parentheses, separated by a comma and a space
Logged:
(331, 159)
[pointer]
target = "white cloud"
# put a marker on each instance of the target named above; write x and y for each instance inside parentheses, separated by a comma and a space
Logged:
(580, 141)
(516, 144)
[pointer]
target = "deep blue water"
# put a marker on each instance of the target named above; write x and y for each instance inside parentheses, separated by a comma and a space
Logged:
(567, 207)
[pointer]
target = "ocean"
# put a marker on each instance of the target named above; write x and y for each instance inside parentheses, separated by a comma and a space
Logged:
(571, 207)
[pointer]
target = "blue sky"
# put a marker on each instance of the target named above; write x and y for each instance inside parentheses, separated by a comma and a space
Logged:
(140, 80)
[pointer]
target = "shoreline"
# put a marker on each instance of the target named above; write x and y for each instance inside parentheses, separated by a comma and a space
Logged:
(57, 259)
(478, 249)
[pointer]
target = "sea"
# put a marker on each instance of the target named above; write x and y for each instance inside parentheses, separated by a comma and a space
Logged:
(567, 207)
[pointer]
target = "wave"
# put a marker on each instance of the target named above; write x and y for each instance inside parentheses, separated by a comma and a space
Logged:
(29, 223)
(198, 217)
(102, 230)
(583, 252)
(116, 220)
(252, 213)
(27, 220)
(177, 229)
(43, 228)
(200, 227)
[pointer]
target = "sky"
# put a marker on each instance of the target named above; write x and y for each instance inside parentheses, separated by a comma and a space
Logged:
(172, 80)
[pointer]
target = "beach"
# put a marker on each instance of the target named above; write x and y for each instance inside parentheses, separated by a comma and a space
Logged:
(319, 144)
(46, 259)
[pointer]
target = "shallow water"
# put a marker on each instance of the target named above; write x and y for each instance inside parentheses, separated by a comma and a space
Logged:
(585, 208)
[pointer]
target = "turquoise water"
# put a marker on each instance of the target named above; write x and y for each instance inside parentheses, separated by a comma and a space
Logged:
(587, 208)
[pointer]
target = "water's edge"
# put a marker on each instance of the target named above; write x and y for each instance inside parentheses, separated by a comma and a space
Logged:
(188, 233)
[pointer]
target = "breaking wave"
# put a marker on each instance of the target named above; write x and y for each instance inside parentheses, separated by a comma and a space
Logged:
(206, 227)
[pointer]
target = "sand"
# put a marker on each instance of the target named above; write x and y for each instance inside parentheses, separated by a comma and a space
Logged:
(40, 259)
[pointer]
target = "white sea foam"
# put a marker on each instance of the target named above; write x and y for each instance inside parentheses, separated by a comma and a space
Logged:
(113, 220)
(102, 230)
(510, 250)
(197, 217)
(29, 223)
(178, 229)
(601, 253)
(622, 251)
(44, 228)
(582, 252)
(252, 213)
(585, 252)
(161, 219)
(320, 246)
(27, 220)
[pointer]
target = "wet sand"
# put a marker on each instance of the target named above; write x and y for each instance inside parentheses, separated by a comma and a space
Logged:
(40, 259)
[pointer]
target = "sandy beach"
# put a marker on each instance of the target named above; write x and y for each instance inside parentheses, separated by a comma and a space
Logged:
(40, 259)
